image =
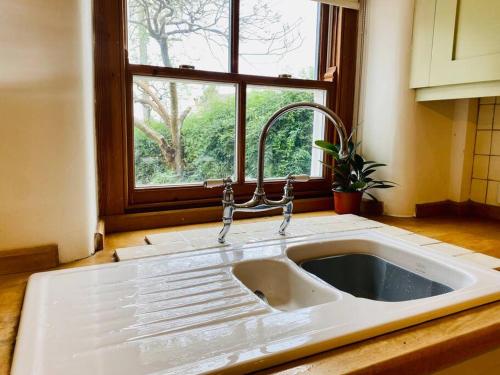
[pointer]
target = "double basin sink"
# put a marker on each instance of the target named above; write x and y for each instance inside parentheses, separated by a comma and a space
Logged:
(322, 272)
(237, 309)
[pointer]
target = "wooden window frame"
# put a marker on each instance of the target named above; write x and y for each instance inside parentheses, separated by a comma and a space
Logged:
(114, 128)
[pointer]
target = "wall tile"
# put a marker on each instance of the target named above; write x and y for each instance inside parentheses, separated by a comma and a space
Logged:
(485, 117)
(493, 193)
(478, 190)
(480, 169)
(487, 100)
(495, 143)
(496, 117)
(494, 170)
(485, 184)
(483, 142)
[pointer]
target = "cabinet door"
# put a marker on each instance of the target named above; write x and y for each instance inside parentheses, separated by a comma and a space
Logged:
(466, 43)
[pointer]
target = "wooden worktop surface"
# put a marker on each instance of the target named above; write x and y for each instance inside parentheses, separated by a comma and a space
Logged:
(420, 349)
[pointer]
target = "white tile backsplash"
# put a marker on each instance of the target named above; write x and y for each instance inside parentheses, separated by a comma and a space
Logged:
(485, 118)
(483, 142)
(478, 190)
(493, 193)
(480, 169)
(496, 117)
(494, 169)
(495, 143)
(485, 182)
(487, 100)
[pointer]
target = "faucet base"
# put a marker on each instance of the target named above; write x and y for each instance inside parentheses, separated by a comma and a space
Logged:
(287, 215)
(227, 220)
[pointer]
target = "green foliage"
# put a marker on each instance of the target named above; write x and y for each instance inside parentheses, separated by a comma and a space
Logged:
(288, 146)
(353, 173)
(149, 166)
(208, 135)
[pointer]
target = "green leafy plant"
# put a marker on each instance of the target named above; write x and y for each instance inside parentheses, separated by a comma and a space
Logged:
(353, 174)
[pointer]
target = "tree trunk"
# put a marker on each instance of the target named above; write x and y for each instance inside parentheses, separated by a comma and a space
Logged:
(167, 152)
(175, 121)
(143, 57)
(176, 128)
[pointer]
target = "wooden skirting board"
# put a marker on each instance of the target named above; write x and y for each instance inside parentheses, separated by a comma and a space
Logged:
(99, 236)
(468, 208)
(32, 259)
(149, 220)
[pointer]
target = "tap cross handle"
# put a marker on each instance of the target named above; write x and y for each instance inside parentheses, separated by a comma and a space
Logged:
(213, 183)
(298, 178)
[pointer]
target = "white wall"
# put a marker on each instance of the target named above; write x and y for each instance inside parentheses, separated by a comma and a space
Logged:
(47, 152)
(420, 142)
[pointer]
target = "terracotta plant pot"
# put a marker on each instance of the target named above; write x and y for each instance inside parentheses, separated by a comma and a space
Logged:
(347, 203)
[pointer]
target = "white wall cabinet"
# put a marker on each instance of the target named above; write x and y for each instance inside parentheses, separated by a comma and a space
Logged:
(456, 49)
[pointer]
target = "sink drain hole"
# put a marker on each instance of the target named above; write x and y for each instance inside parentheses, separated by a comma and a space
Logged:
(261, 295)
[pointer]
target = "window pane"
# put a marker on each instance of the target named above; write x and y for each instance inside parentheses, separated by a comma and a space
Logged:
(184, 131)
(171, 33)
(278, 37)
(289, 145)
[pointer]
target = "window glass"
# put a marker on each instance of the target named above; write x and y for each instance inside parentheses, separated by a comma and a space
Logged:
(278, 37)
(289, 145)
(184, 131)
(171, 33)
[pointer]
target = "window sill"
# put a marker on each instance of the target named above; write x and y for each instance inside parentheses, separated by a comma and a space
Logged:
(157, 219)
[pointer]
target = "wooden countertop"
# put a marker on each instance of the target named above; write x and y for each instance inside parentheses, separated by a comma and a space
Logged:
(420, 349)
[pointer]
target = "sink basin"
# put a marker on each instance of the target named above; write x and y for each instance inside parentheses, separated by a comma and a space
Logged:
(377, 270)
(369, 276)
(283, 286)
(238, 309)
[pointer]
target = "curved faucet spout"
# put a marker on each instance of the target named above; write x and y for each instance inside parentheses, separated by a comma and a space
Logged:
(259, 200)
(327, 112)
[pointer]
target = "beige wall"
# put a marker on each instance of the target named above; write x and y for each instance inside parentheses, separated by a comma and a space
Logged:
(47, 158)
(424, 144)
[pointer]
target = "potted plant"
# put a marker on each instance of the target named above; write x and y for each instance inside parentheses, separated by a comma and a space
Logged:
(351, 177)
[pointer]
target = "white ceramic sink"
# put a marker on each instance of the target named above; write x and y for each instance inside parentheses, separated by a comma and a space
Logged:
(285, 286)
(196, 311)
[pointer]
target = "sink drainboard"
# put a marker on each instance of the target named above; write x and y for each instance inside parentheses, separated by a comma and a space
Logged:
(368, 276)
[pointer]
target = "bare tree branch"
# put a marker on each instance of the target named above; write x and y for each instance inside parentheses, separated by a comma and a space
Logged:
(156, 104)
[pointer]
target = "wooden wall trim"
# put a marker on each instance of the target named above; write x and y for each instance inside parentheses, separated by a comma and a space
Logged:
(39, 258)
(346, 52)
(149, 220)
(485, 210)
(99, 236)
(109, 83)
(442, 208)
(451, 208)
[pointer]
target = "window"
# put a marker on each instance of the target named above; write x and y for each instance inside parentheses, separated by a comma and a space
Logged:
(184, 87)
(183, 32)
(278, 37)
(184, 130)
(289, 145)
(190, 145)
